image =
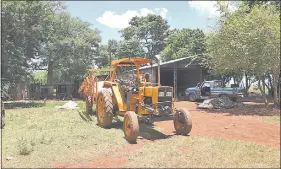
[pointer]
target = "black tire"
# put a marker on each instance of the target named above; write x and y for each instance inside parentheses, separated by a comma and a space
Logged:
(105, 97)
(182, 121)
(192, 97)
(131, 126)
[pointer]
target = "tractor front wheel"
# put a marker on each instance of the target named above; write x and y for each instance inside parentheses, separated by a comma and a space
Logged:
(104, 108)
(131, 126)
(182, 122)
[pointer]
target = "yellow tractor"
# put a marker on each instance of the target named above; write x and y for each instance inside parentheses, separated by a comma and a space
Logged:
(127, 93)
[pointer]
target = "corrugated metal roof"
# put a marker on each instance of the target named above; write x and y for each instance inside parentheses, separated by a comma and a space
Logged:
(168, 62)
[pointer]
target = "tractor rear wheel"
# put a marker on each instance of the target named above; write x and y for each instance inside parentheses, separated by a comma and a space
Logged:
(104, 108)
(131, 126)
(182, 122)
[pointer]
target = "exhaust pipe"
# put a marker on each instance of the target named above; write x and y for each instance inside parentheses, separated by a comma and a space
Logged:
(158, 75)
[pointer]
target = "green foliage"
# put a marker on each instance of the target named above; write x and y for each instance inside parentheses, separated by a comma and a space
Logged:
(252, 3)
(70, 49)
(44, 32)
(184, 43)
(130, 48)
(247, 41)
(107, 53)
(24, 147)
(146, 32)
(23, 31)
(40, 76)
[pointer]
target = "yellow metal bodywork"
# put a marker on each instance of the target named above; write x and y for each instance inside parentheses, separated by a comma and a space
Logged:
(146, 89)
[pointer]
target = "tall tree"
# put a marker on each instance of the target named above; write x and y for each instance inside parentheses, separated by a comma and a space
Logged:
(184, 43)
(23, 31)
(130, 48)
(249, 42)
(112, 46)
(70, 49)
(147, 32)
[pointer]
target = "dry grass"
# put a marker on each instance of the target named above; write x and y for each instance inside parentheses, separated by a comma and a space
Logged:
(39, 137)
(203, 152)
(36, 137)
(271, 119)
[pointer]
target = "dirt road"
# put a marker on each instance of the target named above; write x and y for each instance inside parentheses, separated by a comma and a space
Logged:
(224, 124)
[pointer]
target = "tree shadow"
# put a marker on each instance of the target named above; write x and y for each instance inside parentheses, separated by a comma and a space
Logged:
(249, 109)
(23, 104)
(255, 99)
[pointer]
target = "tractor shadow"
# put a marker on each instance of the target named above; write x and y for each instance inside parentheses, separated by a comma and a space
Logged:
(84, 116)
(151, 132)
(147, 131)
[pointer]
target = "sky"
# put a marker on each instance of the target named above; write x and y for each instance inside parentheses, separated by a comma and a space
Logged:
(111, 16)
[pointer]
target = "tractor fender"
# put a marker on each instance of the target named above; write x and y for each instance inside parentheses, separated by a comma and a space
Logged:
(116, 93)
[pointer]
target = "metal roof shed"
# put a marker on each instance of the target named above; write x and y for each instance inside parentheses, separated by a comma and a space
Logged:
(179, 73)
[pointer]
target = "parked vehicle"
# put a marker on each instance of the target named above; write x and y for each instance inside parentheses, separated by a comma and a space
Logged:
(212, 89)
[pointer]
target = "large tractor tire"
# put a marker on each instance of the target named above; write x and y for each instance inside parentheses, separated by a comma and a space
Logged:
(105, 108)
(182, 122)
(131, 126)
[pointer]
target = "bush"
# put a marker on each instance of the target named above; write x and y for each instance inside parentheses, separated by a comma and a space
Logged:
(24, 147)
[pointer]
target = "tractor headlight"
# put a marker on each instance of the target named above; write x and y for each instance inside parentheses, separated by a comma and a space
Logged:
(161, 94)
(169, 94)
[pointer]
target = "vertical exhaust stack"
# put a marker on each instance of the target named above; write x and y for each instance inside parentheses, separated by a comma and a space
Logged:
(158, 65)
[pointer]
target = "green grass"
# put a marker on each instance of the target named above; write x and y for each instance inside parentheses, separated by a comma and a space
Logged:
(271, 119)
(41, 137)
(203, 152)
(36, 137)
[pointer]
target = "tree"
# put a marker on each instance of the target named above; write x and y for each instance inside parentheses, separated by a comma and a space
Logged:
(107, 53)
(130, 48)
(23, 31)
(147, 32)
(184, 43)
(252, 3)
(70, 49)
(112, 49)
(248, 42)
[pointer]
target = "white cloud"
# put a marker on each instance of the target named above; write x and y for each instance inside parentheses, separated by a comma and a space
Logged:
(163, 12)
(119, 21)
(114, 20)
(208, 7)
(145, 11)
